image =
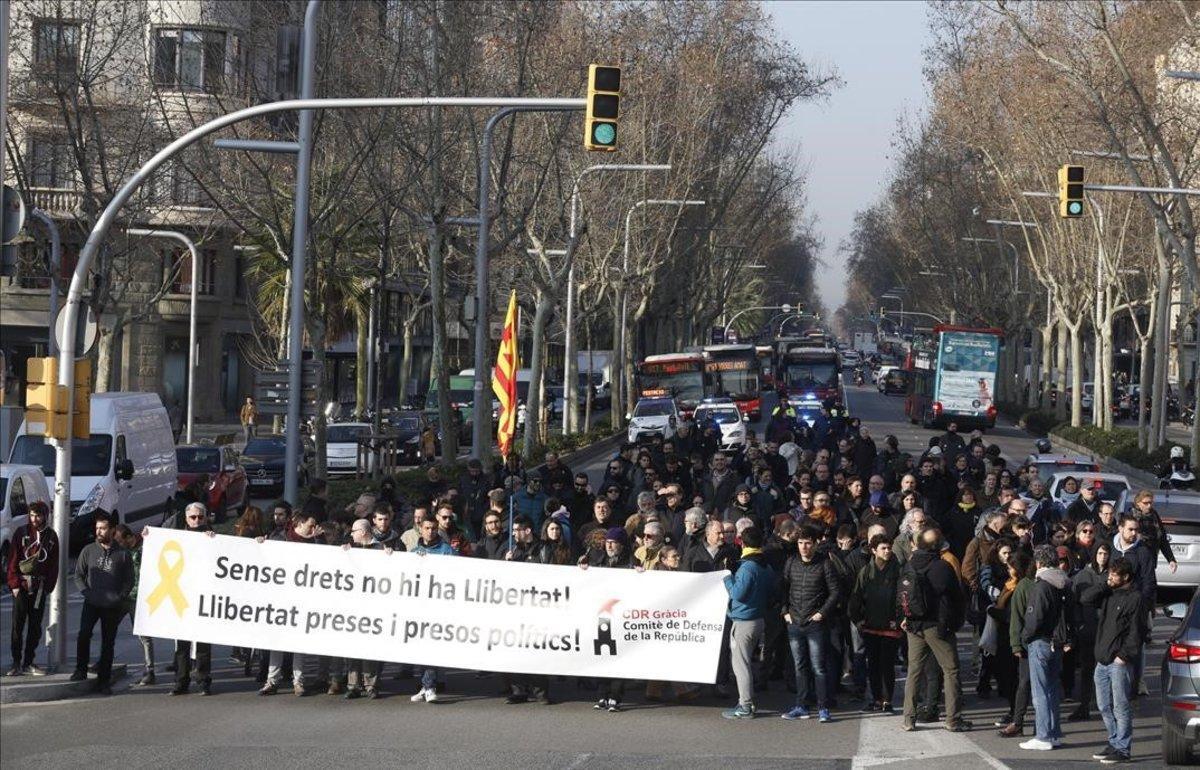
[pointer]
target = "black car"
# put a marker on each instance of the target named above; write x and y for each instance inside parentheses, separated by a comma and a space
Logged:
(407, 427)
(263, 460)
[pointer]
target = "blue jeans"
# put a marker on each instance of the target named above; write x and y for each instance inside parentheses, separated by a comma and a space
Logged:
(809, 643)
(429, 678)
(1045, 675)
(1114, 685)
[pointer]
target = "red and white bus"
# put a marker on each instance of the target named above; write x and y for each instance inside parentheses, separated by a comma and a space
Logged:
(735, 370)
(681, 376)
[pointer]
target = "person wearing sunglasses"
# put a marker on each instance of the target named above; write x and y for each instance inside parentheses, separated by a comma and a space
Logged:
(195, 520)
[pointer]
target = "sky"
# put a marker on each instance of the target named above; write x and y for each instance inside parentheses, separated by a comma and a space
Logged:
(845, 143)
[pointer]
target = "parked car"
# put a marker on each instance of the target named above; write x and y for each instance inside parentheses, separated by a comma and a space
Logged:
(341, 446)
(653, 416)
(1049, 464)
(125, 467)
(1181, 685)
(20, 487)
(408, 426)
(729, 420)
(1180, 512)
(1110, 485)
(264, 462)
(227, 485)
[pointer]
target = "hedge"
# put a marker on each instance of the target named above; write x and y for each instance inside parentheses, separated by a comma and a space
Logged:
(1118, 444)
(1037, 421)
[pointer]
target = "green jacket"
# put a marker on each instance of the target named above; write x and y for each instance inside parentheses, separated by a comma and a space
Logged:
(873, 600)
(1016, 620)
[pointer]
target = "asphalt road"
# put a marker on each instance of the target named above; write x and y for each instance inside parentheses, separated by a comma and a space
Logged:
(472, 727)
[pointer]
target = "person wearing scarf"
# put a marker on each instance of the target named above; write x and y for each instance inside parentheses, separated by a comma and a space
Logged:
(31, 574)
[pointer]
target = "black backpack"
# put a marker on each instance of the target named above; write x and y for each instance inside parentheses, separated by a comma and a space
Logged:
(912, 593)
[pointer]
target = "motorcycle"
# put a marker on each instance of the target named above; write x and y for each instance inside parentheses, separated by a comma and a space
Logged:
(859, 380)
(1177, 473)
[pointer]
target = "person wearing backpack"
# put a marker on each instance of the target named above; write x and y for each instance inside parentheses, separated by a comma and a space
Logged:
(1048, 632)
(929, 598)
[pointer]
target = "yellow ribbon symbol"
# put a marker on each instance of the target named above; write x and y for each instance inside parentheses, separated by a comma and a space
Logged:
(168, 587)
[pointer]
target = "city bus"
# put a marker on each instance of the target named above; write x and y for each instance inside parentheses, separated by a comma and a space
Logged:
(766, 368)
(681, 376)
(735, 370)
(954, 378)
(811, 376)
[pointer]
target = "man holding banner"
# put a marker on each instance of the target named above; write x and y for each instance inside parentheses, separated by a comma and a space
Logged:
(195, 520)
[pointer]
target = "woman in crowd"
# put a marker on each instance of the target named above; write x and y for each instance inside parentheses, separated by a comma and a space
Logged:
(1019, 567)
(250, 524)
(554, 547)
(873, 609)
(1090, 586)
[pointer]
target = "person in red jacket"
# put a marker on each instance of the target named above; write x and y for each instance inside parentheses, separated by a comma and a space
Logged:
(31, 574)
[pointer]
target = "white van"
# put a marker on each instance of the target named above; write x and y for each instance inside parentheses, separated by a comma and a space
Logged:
(20, 487)
(126, 467)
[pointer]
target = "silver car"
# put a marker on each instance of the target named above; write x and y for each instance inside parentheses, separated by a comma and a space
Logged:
(1181, 685)
(1180, 513)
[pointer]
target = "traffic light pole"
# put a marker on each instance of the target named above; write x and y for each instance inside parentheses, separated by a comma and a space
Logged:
(87, 256)
(195, 260)
(481, 420)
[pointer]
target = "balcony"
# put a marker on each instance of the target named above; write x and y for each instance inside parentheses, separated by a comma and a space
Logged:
(57, 201)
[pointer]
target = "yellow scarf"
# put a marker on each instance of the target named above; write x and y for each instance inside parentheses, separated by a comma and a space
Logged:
(747, 551)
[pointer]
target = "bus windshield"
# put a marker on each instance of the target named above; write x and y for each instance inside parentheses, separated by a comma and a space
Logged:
(688, 386)
(738, 383)
(811, 375)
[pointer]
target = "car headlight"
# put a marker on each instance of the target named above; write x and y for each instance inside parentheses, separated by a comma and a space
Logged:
(91, 502)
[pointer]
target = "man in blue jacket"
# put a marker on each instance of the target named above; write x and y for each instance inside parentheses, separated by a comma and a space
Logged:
(751, 589)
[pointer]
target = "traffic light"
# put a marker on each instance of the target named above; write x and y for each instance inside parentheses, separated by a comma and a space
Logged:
(46, 402)
(603, 108)
(1070, 192)
(81, 417)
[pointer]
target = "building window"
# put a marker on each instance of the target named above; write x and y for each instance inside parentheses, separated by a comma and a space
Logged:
(55, 51)
(190, 59)
(177, 185)
(51, 162)
(177, 272)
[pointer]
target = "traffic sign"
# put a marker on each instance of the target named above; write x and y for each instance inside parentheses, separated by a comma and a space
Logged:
(12, 220)
(86, 332)
(271, 393)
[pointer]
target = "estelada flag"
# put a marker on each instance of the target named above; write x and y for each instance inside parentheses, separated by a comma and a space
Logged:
(504, 378)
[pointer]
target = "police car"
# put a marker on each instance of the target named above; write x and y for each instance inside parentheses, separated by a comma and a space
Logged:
(728, 419)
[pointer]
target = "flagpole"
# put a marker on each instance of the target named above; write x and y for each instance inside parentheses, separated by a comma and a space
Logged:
(510, 518)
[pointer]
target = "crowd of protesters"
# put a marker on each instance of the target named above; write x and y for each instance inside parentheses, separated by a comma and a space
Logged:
(846, 560)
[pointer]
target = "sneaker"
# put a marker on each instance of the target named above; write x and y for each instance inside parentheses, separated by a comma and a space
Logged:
(372, 694)
(15, 671)
(1107, 752)
(352, 694)
(601, 704)
(420, 696)
(741, 711)
(335, 688)
(79, 675)
(887, 708)
(1036, 744)
(299, 690)
(614, 706)
(147, 679)
(798, 712)
(268, 689)
(823, 716)
(35, 670)
(206, 687)
(1117, 758)
(908, 727)
(431, 695)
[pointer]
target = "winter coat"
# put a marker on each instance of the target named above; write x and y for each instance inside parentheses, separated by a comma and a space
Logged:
(873, 600)
(750, 588)
(1122, 626)
(1050, 612)
(698, 559)
(104, 575)
(944, 602)
(1144, 562)
(1090, 587)
(810, 587)
(42, 547)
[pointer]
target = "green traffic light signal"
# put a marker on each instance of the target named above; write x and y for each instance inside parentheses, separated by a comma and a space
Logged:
(1075, 208)
(604, 133)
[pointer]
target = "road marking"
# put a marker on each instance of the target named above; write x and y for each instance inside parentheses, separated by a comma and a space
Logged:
(882, 742)
(578, 761)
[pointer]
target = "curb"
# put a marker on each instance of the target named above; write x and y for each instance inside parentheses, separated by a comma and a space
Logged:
(51, 688)
(1141, 477)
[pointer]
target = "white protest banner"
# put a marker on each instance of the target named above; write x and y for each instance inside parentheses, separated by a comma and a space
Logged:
(448, 611)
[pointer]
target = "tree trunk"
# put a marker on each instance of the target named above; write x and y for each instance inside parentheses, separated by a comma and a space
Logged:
(1033, 397)
(618, 365)
(1076, 375)
(1060, 355)
(1162, 351)
(1046, 376)
(533, 404)
(361, 334)
(587, 403)
(1144, 378)
(317, 335)
(406, 360)
(439, 374)
(106, 343)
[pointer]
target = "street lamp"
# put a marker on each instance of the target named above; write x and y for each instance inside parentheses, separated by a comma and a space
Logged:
(195, 259)
(623, 393)
(570, 396)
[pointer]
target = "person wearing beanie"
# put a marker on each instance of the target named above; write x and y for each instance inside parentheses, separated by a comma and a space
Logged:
(879, 513)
